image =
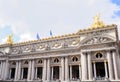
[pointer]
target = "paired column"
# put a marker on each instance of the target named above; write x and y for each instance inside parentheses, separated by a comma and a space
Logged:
(10, 73)
(84, 66)
(0, 68)
(80, 72)
(48, 69)
(62, 68)
(110, 65)
(19, 71)
(36, 73)
(29, 71)
(90, 67)
(16, 71)
(44, 70)
(106, 71)
(60, 72)
(1, 72)
(6, 70)
(22, 73)
(115, 65)
(33, 70)
(66, 69)
(52, 73)
(94, 66)
(70, 72)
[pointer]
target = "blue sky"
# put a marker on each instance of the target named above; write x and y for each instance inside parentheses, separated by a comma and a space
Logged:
(116, 2)
(25, 18)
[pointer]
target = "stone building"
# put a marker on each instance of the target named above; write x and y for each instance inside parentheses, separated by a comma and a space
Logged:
(88, 55)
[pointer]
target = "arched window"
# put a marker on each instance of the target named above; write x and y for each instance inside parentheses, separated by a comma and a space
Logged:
(74, 59)
(99, 55)
(56, 60)
(40, 61)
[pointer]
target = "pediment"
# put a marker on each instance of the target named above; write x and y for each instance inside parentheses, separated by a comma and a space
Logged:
(96, 40)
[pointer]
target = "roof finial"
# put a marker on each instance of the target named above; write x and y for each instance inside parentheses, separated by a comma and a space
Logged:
(10, 39)
(97, 22)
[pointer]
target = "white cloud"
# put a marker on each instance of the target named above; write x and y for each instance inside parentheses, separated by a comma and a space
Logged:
(4, 40)
(28, 17)
(25, 37)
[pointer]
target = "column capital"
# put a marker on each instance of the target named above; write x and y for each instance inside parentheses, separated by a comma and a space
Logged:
(93, 62)
(70, 65)
(60, 66)
(89, 52)
(105, 61)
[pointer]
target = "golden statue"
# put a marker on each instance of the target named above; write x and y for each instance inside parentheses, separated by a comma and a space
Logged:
(9, 39)
(97, 22)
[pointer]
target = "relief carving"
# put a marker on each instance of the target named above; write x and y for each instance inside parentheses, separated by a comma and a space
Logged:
(95, 40)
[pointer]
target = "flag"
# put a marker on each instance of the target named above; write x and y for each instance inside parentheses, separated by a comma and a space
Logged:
(51, 33)
(38, 38)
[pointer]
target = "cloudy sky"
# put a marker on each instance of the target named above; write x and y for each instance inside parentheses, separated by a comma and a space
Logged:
(25, 18)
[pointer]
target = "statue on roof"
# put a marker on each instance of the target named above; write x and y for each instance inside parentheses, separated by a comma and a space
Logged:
(97, 22)
(10, 39)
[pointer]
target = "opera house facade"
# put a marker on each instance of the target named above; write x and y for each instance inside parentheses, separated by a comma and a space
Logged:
(89, 55)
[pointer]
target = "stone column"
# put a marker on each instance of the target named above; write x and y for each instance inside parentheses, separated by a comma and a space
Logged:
(44, 70)
(1, 70)
(70, 72)
(66, 69)
(60, 72)
(36, 73)
(29, 71)
(22, 74)
(84, 66)
(110, 65)
(90, 67)
(33, 70)
(19, 71)
(106, 71)
(115, 65)
(16, 71)
(79, 72)
(6, 70)
(48, 69)
(62, 68)
(10, 74)
(94, 66)
(52, 73)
